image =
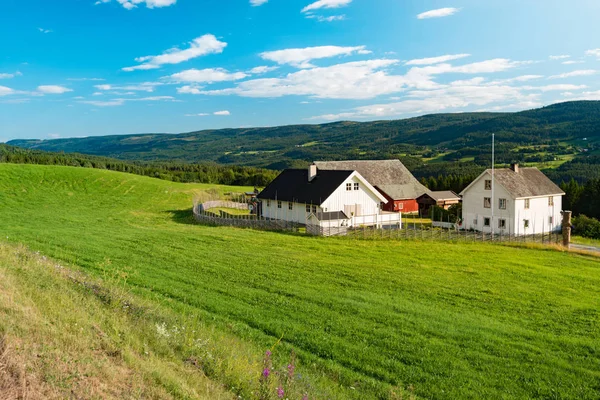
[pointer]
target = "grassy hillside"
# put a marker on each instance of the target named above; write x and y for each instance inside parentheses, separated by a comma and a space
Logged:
(542, 135)
(365, 318)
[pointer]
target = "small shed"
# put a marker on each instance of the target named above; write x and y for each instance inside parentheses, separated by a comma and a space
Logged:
(444, 199)
(327, 223)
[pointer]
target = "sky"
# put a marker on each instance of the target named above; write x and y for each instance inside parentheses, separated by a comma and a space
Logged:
(75, 68)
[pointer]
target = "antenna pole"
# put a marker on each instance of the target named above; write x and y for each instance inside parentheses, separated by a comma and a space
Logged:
(493, 176)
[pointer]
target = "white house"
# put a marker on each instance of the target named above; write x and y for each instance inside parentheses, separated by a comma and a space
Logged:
(296, 194)
(525, 202)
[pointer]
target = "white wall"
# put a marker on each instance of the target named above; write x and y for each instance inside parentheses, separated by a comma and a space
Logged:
(368, 201)
(538, 214)
(297, 214)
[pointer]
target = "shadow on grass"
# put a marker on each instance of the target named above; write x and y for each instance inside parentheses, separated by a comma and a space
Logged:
(185, 216)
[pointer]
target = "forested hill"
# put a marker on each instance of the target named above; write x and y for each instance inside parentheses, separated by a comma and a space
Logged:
(453, 136)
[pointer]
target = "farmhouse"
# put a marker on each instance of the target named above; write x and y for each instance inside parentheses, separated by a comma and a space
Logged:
(342, 197)
(444, 199)
(390, 177)
(524, 202)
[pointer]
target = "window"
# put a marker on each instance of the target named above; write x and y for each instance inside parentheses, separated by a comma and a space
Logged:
(356, 186)
(314, 209)
(475, 222)
(551, 220)
(268, 203)
(279, 204)
(401, 206)
(290, 206)
(550, 201)
(348, 187)
(526, 223)
(308, 208)
(502, 204)
(488, 185)
(487, 222)
(527, 204)
(502, 224)
(487, 202)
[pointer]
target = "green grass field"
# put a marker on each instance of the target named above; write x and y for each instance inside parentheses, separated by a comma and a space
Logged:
(449, 320)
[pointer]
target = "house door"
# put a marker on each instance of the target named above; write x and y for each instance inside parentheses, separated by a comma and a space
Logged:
(353, 210)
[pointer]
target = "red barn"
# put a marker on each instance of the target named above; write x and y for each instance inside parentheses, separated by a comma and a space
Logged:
(390, 177)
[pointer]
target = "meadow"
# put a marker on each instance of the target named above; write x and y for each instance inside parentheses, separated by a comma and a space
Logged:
(367, 319)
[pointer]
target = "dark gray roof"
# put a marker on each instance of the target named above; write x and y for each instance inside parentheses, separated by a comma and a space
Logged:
(293, 185)
(444, 195)
(331, 216)
(528, 182)
(389, 176)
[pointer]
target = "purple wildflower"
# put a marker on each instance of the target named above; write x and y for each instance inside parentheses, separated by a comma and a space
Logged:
(305, 397)
(280, 392)
(266, 372)
(291, 368)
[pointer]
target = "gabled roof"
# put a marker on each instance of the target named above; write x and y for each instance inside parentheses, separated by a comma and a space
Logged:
(390, 176)
(293, 185)
(528, 182)
(442, 195)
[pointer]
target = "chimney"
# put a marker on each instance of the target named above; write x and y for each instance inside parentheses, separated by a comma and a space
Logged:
(312, 172)
(515, 167)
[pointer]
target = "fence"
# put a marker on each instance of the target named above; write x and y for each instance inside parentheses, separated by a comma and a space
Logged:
(203, 214)
(441, 234)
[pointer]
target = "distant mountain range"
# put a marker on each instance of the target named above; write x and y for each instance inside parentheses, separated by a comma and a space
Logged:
(563, 128)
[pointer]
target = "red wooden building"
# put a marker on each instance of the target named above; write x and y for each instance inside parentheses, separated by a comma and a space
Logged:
(390, 177)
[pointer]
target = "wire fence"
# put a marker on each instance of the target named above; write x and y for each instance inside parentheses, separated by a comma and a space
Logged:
(204, 215)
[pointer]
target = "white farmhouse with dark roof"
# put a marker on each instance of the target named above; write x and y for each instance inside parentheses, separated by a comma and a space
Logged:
(298, 195)
(525, 202)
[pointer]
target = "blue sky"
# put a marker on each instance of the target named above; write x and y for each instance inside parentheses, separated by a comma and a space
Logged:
(73, 68)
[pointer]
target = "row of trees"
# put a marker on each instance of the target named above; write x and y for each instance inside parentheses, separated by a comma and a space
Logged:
(176, 172)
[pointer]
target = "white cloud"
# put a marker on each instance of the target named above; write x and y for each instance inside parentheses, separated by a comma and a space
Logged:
(197, 115)
(53, 89)
(593, 53)
(583, 72)
(437, 60)
(522, 78)
(302, 57)
(204, 45)
(331, 18)
(593, 95)
(5, 91)
(131, 4)
(208, 75)
(45, 30)
(141, 87)
(85, 79)
(360, 80)
(562, 57)
(190, 90)
(54, 135)
(256, 3)
(571, 62)
(262, 70)
(555, 88)
(120, 102)
(438, 13)
(428, 101)
(326, 4)
(10, 76)
(222, 113)
(354, 80)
